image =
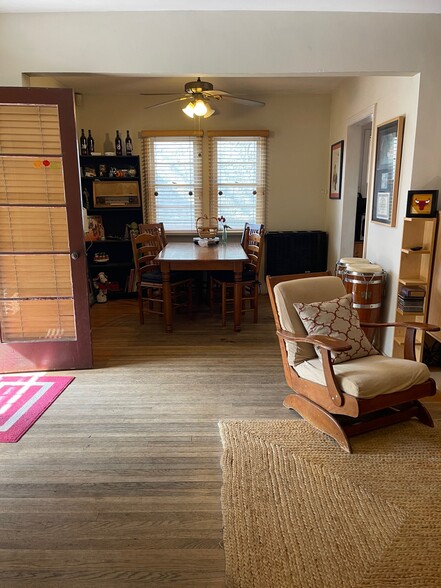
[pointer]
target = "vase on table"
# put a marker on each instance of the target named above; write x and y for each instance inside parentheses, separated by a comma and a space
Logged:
(224, 236)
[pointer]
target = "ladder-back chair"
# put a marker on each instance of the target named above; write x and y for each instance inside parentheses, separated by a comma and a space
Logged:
(223, 282)
(145, 247)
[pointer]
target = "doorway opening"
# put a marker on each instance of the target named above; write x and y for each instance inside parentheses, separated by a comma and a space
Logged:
(356, 187)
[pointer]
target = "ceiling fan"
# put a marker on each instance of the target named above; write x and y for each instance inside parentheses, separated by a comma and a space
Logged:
(198, 96)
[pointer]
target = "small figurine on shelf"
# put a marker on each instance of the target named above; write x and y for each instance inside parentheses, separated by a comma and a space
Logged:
(100, 283)
(132, 227)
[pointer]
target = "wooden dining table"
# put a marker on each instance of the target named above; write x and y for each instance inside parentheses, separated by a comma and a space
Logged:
(190, 256)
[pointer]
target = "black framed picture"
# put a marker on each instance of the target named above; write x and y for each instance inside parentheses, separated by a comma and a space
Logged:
(421, 203)
(336, 170)
(389, 142)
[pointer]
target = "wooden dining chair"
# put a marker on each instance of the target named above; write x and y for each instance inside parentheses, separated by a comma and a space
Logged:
(249, 229)
(145, 247)
(222, 283)
(152, 228)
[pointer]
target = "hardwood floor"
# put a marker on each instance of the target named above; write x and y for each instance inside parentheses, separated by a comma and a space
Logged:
(118, 483)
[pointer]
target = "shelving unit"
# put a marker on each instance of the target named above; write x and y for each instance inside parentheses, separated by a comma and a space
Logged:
(434, 313)
(111, 189)
(417, 253)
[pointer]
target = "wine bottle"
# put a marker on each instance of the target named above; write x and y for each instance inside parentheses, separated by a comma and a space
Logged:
(118, 144)
(129, 144)
(83, 143)
(90, 144)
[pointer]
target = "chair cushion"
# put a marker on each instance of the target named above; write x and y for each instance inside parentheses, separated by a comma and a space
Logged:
(302, 290)
(370, 376)
(336, 318)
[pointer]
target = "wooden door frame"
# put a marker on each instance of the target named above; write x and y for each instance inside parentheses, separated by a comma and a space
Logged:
(59, 354)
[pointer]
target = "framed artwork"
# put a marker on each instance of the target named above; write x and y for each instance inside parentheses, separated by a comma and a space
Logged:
(95, 228)
(388, 146)
(421, 203)
(336, 170)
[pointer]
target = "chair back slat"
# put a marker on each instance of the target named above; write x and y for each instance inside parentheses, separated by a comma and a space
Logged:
(145, 247)
(152, 228)
(253, 246)
(252, 228)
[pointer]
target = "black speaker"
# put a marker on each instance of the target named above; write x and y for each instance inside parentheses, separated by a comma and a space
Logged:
(296, 252)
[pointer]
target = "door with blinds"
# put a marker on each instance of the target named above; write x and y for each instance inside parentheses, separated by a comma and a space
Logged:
(44, 310)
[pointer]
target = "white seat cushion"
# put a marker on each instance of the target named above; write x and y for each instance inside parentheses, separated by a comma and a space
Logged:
(370, 376)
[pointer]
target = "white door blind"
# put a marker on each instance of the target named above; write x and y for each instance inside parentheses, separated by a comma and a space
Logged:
(238, 176)
(172, 178)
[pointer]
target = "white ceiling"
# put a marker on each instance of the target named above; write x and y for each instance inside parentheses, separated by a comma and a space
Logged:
(413, 6)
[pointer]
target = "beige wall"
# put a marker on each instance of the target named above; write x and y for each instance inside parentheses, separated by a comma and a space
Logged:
(297, 157)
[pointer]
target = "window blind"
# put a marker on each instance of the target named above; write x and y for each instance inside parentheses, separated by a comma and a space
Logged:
(36, 297)
(237, 162)
(172, 178)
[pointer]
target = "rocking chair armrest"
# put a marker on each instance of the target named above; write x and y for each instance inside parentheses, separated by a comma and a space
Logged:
(328, 343)
(408, 325)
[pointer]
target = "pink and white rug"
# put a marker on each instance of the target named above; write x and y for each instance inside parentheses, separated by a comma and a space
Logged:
(23, 399)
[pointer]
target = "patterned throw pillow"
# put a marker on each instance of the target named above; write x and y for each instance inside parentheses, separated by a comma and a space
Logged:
(336, 318)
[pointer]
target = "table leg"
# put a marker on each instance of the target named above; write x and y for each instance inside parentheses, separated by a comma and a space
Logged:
(166, 293)
(237, 298)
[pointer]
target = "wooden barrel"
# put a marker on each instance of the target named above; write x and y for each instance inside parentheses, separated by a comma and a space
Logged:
(366, 284)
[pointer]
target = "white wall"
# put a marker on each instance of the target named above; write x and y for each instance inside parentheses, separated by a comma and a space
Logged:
(391, 97)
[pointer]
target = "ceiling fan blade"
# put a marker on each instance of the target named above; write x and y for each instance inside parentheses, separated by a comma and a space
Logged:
(245, 101)
(168, 102)
(160, 94)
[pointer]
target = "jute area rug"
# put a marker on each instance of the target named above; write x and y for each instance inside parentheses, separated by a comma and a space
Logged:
(300, 512)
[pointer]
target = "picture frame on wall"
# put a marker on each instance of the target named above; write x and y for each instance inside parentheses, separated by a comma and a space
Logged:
(422, 203)
(388, 148)
(336, 170)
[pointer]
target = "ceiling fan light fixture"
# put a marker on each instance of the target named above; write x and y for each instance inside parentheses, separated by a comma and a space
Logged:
(200, 108)
(210, 111)
(189, 110)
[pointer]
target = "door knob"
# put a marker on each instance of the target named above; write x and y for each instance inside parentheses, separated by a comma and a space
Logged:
(75, 255)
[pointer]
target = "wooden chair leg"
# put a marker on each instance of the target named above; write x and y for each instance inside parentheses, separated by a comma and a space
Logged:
(256, 302)
(190, 298)
(224, 304)
(319, 418)
(423, 414)
(212, 286)
(140, 306)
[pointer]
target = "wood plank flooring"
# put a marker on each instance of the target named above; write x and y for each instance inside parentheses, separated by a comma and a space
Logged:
(118, 483)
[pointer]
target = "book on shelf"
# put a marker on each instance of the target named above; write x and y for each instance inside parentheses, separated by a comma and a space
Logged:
(412, 291)
(407, 307)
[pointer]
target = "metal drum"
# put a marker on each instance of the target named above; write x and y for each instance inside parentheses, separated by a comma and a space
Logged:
(340, 266)
(366, 284)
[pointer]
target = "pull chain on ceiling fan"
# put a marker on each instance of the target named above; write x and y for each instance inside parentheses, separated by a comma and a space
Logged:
(198, 96)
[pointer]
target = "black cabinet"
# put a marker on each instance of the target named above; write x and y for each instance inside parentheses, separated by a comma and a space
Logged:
(296, 252)
(111, 192)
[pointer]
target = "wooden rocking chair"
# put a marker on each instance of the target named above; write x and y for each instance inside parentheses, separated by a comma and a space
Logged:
(354, 396)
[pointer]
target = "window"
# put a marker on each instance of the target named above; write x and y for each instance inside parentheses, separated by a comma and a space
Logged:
(172, 178)
(238, 176)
